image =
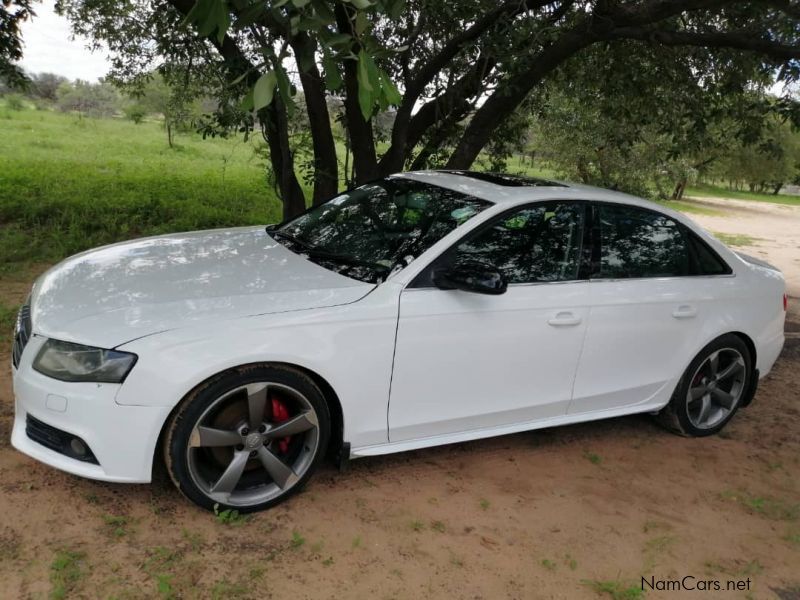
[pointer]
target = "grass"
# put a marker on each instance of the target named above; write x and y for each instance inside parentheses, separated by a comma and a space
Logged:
(70, 183)
(8, 316)
(297, 539)
(548, 564)
(769, 507)
(116, 526)
(229, 516)
(615, 589)
(592, 457)
(66, 570)
(736, 239)
(717, 191)
(692, 207)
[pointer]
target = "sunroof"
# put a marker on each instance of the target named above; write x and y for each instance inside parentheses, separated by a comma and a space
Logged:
(506, 180)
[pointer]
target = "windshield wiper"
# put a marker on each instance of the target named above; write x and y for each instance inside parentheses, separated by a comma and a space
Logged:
(349, 260)
(313, 252)
(291, 238)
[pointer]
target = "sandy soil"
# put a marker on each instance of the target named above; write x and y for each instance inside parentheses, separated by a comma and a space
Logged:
(774, 227)
(548, 514)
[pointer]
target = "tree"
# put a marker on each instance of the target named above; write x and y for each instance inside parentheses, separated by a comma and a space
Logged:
(45, 85)
(13, 13)
(175, 103)
(627, 120)
(90, 99)
(464, 67)
(765, 166)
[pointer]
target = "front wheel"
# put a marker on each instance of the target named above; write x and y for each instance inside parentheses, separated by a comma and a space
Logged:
(711, 390)
(248, 439)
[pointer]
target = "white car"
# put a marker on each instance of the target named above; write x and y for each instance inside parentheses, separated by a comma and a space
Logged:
(421, 309)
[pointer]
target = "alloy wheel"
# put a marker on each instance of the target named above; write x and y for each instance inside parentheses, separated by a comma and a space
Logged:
(716, 388)
(253, 443)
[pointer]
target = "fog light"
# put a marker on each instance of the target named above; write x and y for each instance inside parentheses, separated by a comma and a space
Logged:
(78, 447)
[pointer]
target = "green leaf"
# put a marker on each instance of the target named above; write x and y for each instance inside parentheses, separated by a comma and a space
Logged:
(390, 91)
(286, 90)
(363, 71)
(361, 4)
(372, 71)
(395, 8)
(250, 15)
(366, 91)
(247, 102)
(323, 11)
(361, 22)
(279, 3)
(294, 21)
(300, 3)
(365, 102)
(223, 20)
(199, 12)
(240, 77)
(333, 79)
(264, 90)
(337, 41)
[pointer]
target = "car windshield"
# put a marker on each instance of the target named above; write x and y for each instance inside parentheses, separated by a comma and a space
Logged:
(368, 232)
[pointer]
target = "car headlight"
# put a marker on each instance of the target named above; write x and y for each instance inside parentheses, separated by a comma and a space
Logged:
(75, 362)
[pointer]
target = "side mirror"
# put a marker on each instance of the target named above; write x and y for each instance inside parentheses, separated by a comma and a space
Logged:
(470, 277)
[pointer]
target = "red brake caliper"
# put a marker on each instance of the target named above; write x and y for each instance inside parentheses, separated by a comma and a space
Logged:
(279, 415)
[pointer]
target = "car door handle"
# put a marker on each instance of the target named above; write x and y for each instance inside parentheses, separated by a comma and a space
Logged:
(685, 311)
(564, 319)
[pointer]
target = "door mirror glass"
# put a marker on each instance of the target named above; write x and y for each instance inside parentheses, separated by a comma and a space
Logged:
(471, 277)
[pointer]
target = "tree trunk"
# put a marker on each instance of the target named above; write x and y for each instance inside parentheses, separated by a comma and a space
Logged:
(326, 165)
(776, 188)
(365, 160)
(274, 128)
(680, 188)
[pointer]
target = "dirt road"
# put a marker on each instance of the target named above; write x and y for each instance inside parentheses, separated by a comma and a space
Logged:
(573, 512)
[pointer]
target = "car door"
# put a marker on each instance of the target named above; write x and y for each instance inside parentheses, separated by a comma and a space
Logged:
(466, 361)
(647, 309)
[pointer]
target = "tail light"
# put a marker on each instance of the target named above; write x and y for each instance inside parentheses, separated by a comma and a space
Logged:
(785, 302)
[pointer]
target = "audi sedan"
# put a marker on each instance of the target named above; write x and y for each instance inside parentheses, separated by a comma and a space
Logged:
(421, 309)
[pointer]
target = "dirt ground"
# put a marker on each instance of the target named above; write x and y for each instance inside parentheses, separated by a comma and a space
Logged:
(573, 512)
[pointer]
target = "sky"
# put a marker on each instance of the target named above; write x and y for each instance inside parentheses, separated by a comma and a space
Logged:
(49, 47)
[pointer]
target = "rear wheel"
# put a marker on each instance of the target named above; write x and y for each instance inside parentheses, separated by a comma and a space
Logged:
(248, 439)
(711, 390)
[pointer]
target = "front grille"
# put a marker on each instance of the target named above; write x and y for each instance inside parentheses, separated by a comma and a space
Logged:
(58, 441)
(22, 333)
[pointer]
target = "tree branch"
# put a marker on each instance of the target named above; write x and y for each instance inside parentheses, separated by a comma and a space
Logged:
(737, 40)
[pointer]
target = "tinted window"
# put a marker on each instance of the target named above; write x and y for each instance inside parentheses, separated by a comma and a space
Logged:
(707, 262)
(537, 243)
(639, 243)
(380, 226)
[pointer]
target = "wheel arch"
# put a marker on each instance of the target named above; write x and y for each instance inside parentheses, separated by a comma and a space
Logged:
(751, 346)
(751, 388)
(335, 442)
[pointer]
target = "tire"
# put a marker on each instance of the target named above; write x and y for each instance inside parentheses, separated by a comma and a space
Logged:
(715, 393)
(248, 438)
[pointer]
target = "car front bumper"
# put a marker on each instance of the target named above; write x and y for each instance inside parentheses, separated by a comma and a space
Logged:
(122, 438)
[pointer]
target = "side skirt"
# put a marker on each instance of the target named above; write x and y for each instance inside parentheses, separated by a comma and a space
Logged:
(476, 434)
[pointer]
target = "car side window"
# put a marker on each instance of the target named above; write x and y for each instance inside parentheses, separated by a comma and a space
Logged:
(707, 262)
(542, 242)
(636, 243)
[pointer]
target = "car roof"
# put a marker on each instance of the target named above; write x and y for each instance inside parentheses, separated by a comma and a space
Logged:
(501, 188)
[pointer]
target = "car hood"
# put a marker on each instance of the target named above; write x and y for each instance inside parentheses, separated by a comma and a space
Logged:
(114, 294)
